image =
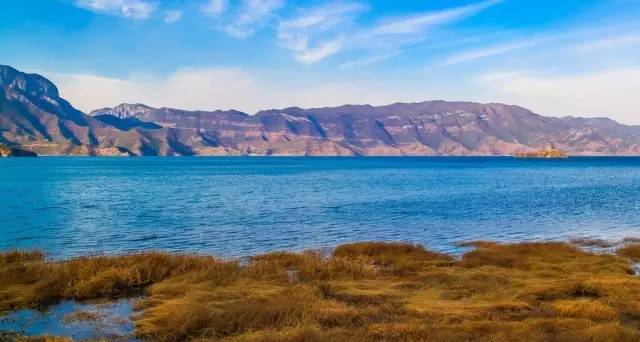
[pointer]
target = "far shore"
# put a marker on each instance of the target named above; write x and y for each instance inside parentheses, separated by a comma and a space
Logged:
(571, 156)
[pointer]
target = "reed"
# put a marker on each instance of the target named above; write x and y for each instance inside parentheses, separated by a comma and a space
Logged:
(369, 291)
(631, 250)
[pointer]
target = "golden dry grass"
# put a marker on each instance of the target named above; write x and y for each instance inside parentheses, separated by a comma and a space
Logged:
(14, 337)
(28, 280)
(631, 250)
(44, 339)
(362, 292)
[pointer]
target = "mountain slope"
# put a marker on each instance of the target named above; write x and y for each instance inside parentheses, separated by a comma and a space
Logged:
(427, 128)
(34, 117)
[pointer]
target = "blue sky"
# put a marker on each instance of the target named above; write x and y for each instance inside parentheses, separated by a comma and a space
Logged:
(563, 57)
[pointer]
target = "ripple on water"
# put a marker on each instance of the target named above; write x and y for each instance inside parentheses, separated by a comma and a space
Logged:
(244, 206)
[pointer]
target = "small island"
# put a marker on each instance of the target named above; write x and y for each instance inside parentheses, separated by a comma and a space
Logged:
(547, 153)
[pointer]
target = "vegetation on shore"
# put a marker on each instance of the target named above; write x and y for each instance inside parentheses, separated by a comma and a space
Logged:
(361, 292)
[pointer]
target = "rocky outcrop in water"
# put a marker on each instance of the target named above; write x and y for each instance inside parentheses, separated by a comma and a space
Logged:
(35, 118)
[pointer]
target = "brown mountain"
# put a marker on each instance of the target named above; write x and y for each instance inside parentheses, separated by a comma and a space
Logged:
(34, 117)
(427, 128)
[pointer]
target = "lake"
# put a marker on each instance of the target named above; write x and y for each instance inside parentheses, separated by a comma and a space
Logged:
(231, 206)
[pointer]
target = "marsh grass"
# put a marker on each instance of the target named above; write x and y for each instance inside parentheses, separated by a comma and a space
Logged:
(28, 280)
(631, 250)
(44, 339)
(368, 291)
(15, 337)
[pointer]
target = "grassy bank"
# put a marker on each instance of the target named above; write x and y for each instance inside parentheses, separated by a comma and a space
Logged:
(361, 292)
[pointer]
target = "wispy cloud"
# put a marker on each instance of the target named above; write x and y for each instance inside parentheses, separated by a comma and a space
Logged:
(214, 8)
(366, 61)
(241, 18)
(317, 28)
(616, 41)
(135, 9)
(172, 16)
(474, 54)
(582, 39)
(321, 51)
(316, 33)
(418, 23)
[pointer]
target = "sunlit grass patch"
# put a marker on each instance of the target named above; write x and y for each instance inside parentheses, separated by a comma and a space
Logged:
(370, 291)
(389, 253)
(27, 280)
(631, 251)
(585, 308)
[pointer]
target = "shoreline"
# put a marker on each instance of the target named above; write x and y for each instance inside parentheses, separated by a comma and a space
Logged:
(367, 291)
(570, 156)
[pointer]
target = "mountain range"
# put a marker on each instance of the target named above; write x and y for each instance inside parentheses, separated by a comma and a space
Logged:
(35, 118)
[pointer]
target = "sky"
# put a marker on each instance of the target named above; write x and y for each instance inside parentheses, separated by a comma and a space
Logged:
(557, 58)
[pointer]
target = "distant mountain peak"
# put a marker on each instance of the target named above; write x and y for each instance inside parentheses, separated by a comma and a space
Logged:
(124, 110)
(7, 74)
(34, 117)
(32, 84)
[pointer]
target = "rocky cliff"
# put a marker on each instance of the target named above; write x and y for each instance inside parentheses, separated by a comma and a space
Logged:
(34, 117)
(427, 128)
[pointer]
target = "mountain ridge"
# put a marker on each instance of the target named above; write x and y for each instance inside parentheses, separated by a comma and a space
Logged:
(34, 117)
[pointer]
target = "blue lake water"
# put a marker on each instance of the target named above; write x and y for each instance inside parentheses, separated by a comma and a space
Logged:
(110, 321)
(242, 206)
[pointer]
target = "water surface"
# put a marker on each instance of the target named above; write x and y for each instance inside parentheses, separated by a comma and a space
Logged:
(81, 321)
(242, 206)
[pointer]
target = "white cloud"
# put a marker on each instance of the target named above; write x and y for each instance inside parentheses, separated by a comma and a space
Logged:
(587, 40)
(215, 7)
(474, 54)
(317, 33)
(171, 17)
(394, 34)
(611, 93)
(369, 60)
(135, 9)
(223, 88)
(316, 29)
(250, 16)
(321, 51)
(617, 41)
(188, 88)
(417, 23)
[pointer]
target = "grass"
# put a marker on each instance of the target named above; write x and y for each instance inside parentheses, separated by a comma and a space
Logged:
(587, 242)
(15, 337)
(367, 291)
(630, 250)
(28, 280)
